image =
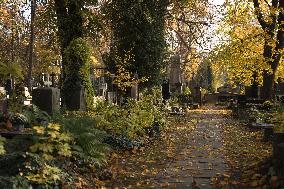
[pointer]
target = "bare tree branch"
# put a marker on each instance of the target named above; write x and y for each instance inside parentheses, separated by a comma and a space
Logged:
(267, 2)
(274, 15)
(182, 19)
(183, 41)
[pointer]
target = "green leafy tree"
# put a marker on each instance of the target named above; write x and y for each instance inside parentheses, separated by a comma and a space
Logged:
(70, 22)
(11, 70)
(138, 30)
(77, 71)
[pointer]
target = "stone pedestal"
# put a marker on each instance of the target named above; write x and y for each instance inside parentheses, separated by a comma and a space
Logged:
(47, 99)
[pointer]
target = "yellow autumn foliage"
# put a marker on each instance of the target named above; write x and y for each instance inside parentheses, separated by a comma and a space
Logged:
(240, 57)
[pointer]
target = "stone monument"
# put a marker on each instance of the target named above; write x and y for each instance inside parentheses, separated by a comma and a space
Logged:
(175, 75)
(47, 99)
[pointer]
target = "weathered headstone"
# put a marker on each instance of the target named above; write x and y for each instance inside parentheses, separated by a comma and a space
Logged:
(111, 96)
(101, 86)
(134, 88)
(175, 75)
(134, 92)
(278, 137)
(2, 91)
(47, 99)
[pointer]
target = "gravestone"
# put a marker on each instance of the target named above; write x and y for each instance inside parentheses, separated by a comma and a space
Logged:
(134, 92)
(101, 86)
(2, 91)
(112, 97)
(47, 99)
(76, 100)
(134, 89)
(3, 100)
(166, 90)
(175, 75)
(278, 147)
(278, 137)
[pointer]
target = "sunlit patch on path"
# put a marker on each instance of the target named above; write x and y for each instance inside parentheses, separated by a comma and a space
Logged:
(192, 153)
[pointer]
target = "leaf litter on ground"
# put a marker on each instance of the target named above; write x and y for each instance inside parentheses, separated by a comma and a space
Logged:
(243, 149)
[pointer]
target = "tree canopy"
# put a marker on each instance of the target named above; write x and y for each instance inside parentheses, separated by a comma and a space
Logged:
(251, 51)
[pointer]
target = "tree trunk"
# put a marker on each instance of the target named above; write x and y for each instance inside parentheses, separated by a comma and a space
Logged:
(274, 43)
(70, 24)
(12, 79)
(63, 27)
(268, 77)
(268, 85)
(31, 45)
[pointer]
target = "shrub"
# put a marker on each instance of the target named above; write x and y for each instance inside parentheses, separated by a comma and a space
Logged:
(16, 182)
(41, 172)
(88, 144)
(35, 116)
(18, 119)
(267, 105)
(50, 143)
(184, 99)
(134, 119)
